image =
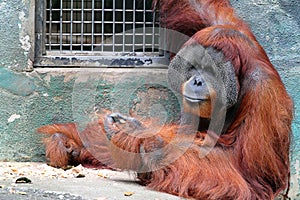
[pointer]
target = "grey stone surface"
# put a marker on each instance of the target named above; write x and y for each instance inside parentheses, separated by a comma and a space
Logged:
(51, 183)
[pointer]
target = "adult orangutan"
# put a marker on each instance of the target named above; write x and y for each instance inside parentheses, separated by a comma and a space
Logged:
(233, 141)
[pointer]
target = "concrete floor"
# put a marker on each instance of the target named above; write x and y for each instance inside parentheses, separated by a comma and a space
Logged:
(51, 183)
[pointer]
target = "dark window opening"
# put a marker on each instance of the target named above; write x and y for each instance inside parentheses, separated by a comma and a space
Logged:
(74, 32)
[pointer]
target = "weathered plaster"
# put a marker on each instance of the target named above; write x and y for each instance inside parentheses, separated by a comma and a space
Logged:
(17, 29)
(16, 83)
(13, 118)
(43, 96)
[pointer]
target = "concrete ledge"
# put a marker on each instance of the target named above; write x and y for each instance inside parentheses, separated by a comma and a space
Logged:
(57, 95)
(50, 183)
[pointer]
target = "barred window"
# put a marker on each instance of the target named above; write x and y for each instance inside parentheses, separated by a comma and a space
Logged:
(98, 33)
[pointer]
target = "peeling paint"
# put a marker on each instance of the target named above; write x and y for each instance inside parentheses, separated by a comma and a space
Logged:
(21, 18)
(295, 180)
(47, 79)
(127, 62)
(16, 83)
(69, 77)
(13, 117)
(57, 99)
(2, 5)
(25, 41)
(24, 38)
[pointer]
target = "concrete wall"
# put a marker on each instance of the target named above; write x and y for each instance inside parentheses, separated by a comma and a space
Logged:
(30, 99)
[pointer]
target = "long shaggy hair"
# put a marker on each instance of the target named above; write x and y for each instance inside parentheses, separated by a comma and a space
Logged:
(251, 157)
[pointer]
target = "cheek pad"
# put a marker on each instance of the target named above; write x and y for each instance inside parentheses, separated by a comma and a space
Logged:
(210, 64)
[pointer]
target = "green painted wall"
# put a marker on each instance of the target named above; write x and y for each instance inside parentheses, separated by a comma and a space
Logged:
(30, 99)
(56, 96)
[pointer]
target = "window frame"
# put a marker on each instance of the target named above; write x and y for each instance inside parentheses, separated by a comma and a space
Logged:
(93, 59)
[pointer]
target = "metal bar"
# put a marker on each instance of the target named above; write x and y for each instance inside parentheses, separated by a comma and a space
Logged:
(162, 41)
(82, 24)
(60, 25)
(144, 27)
(99, 9)
(97, 22)
(165, 41)
(98, 34)
(142, 35)
(160, 32)
(41, 29)
(114, 25)
(133, 38)
(93, 22)
(124, 27)
(89, 45)
(102, 37)
(71, 26)
(50, 26)
(153, 31)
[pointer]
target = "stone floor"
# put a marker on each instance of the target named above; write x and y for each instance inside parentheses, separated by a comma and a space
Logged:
(78, 183)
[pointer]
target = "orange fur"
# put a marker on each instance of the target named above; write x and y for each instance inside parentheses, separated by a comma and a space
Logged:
(251, 158)
(65, 147)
